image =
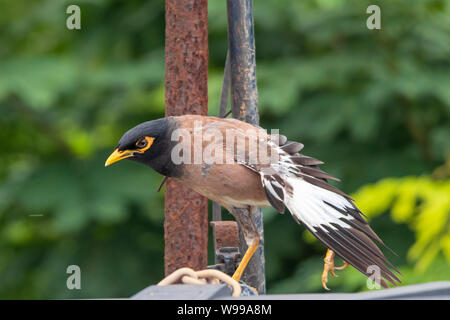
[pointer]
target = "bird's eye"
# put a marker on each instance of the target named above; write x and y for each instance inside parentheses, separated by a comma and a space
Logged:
(142, 143)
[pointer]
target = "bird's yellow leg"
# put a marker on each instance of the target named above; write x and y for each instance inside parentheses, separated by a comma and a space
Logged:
(247, 256)
(329, 267)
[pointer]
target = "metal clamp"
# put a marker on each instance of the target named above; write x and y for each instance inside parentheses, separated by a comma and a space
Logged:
(226, 246)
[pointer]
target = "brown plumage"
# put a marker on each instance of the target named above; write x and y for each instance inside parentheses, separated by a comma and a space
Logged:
(250, 168)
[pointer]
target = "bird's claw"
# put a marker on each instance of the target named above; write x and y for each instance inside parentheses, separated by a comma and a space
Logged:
(329, 268)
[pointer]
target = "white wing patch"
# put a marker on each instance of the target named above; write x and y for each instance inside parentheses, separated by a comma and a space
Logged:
(296, 181)
(307, 204)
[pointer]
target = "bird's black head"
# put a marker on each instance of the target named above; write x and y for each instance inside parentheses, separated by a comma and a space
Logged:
(148, 143)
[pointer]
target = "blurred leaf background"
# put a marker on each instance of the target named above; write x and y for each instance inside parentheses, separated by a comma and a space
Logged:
(373, 104)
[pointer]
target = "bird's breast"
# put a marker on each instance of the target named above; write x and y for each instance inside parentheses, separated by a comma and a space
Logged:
(230, 185)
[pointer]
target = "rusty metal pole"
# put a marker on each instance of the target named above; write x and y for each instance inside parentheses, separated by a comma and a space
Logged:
(244, 106)
(186, 84)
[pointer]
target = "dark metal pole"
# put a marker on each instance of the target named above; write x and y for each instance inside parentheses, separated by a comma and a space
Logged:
(216, 209)
(244, 106)
(186, 84)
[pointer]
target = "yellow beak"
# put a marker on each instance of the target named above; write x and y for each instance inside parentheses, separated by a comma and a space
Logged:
(118, 155)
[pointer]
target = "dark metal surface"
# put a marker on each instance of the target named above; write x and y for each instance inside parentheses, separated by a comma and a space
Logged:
(225, 87)
(216, 209)
(241, 43)
(183, 292)
(226, 246)
(439, 290)
(186, 85)
(244, 106)
(227, 260)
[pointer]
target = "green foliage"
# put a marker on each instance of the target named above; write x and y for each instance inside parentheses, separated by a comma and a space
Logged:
(420, 202)
(373, 104)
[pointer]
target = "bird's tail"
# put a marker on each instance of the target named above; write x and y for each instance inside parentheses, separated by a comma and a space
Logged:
(334, 219)
(295, 181)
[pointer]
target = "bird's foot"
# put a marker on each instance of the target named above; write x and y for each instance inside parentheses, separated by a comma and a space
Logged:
(329, 268)
(245, 260)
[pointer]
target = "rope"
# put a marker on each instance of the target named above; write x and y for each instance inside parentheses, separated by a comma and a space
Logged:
(202, 277)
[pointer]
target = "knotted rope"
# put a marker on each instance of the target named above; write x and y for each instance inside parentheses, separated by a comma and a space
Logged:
(202, 277)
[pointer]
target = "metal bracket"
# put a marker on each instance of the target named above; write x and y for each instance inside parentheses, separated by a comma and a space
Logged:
(228, 259)
(226, 246)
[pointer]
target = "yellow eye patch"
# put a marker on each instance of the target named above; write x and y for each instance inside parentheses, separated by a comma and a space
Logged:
(119, 155)
(149, 143)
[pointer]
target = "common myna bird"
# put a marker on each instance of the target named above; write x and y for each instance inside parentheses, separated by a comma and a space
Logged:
(241, 167)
